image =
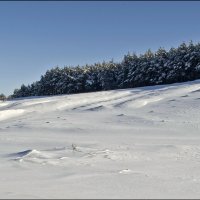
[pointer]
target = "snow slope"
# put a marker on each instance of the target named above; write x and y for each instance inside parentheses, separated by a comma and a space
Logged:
(132, 143)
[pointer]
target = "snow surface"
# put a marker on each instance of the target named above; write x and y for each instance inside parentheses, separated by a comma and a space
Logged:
(132, 143)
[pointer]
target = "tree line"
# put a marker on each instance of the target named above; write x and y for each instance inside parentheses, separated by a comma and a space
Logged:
(151, 68)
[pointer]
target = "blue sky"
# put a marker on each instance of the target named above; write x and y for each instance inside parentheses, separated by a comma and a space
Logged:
(36, 36)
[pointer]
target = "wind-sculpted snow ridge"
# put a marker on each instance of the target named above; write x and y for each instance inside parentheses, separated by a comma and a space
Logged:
(129, 143)
(6, 114)
(68, 156)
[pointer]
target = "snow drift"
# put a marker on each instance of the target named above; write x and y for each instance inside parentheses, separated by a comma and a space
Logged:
(130, 143)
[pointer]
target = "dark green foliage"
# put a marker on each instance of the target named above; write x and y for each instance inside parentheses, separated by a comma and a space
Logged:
(162, 67)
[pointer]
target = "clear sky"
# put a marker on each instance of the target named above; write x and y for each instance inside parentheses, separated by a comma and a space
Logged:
(36, 36)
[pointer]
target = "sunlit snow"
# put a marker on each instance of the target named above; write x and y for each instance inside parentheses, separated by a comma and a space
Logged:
(131, 143)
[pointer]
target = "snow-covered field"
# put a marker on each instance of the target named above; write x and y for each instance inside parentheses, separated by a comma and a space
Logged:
(132, 143)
